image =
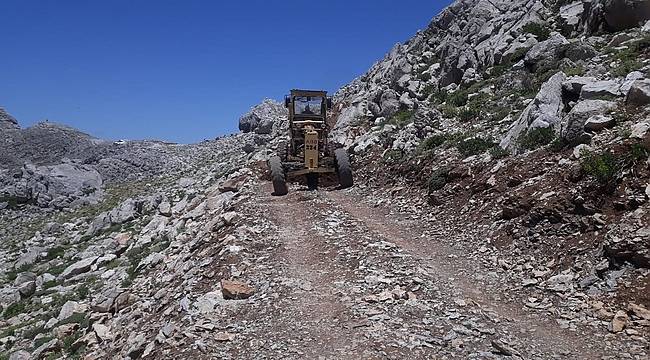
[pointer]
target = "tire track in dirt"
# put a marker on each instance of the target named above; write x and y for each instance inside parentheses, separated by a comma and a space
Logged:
(315, 322)
(541, 333)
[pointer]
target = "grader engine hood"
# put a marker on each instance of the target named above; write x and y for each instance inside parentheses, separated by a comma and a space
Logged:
(311, 149)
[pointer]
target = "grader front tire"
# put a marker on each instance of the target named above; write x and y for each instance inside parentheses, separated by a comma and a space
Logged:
(277, 177)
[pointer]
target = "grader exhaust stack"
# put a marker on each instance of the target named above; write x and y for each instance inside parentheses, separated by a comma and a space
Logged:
(308, 152)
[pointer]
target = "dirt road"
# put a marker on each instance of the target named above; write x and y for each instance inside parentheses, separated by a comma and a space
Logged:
(351, 280)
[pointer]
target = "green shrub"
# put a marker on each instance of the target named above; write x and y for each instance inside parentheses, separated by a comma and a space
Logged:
(14, 309)
(449, 111)
(498, 152)
(500, 69)
(49, 284)
(638, 153)
(428, 90)
(468, 113)
(454, 138)
(541, 31)
(458, 98)
(439, 97)
(630, 57)
(33, 331)
(578, 70)
(626, 67)
(537, 138)
(69, 341)
(500, 114)
(57, 269)
(425, 76)
(401, 118)
(604, 167)
(543, 74)
(13, 273)
(519, 54)
(558, 144)
(55, 252)
(82, 292)
(433, 142)
(438, 180)
(474, 146)
(41, 341)
(393, 155)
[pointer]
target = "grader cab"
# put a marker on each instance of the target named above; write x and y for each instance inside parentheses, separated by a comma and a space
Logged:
(308, 152)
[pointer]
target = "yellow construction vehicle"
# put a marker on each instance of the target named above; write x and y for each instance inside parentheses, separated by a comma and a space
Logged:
(308, 152)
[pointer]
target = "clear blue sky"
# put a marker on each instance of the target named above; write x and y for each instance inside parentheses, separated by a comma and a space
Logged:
(185, 70)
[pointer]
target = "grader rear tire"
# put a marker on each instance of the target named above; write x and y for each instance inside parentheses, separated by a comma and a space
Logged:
(343, 168)
(277, 177)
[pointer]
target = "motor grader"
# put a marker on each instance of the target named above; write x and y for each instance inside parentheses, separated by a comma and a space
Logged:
(308, 152)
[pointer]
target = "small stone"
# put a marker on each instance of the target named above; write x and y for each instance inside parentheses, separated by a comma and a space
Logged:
(619, 321)
(70, 308)
(503, 348)
(233, 184)
(63, 331)
(20, 355)
(599, 123)
(27, 289)
(639, 311)
(224, 336)
(103, 332)
(165, 208)
(79, 267)
(639, 94)
(236, 290)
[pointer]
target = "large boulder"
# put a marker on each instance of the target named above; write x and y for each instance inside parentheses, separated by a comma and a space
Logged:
(629, 239)
(639, 93)
(269, 117)
(389, 103)
(574, 85)
(625, 14)
(248, 122)
(606, 89)
(573, 125)
(571, 15)
(544, 111)
(80, 267)
(349, 117)
(128, 210)
(614, 15)
(547, 51)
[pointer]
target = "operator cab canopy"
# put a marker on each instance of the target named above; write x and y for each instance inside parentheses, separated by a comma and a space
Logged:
(308, 103)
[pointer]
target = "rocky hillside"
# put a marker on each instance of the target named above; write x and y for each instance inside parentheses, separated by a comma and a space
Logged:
(501, 209)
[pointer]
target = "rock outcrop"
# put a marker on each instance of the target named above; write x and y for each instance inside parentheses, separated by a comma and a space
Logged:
(545, 111)
(7, 121)
(269, 117)
(59, 186)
